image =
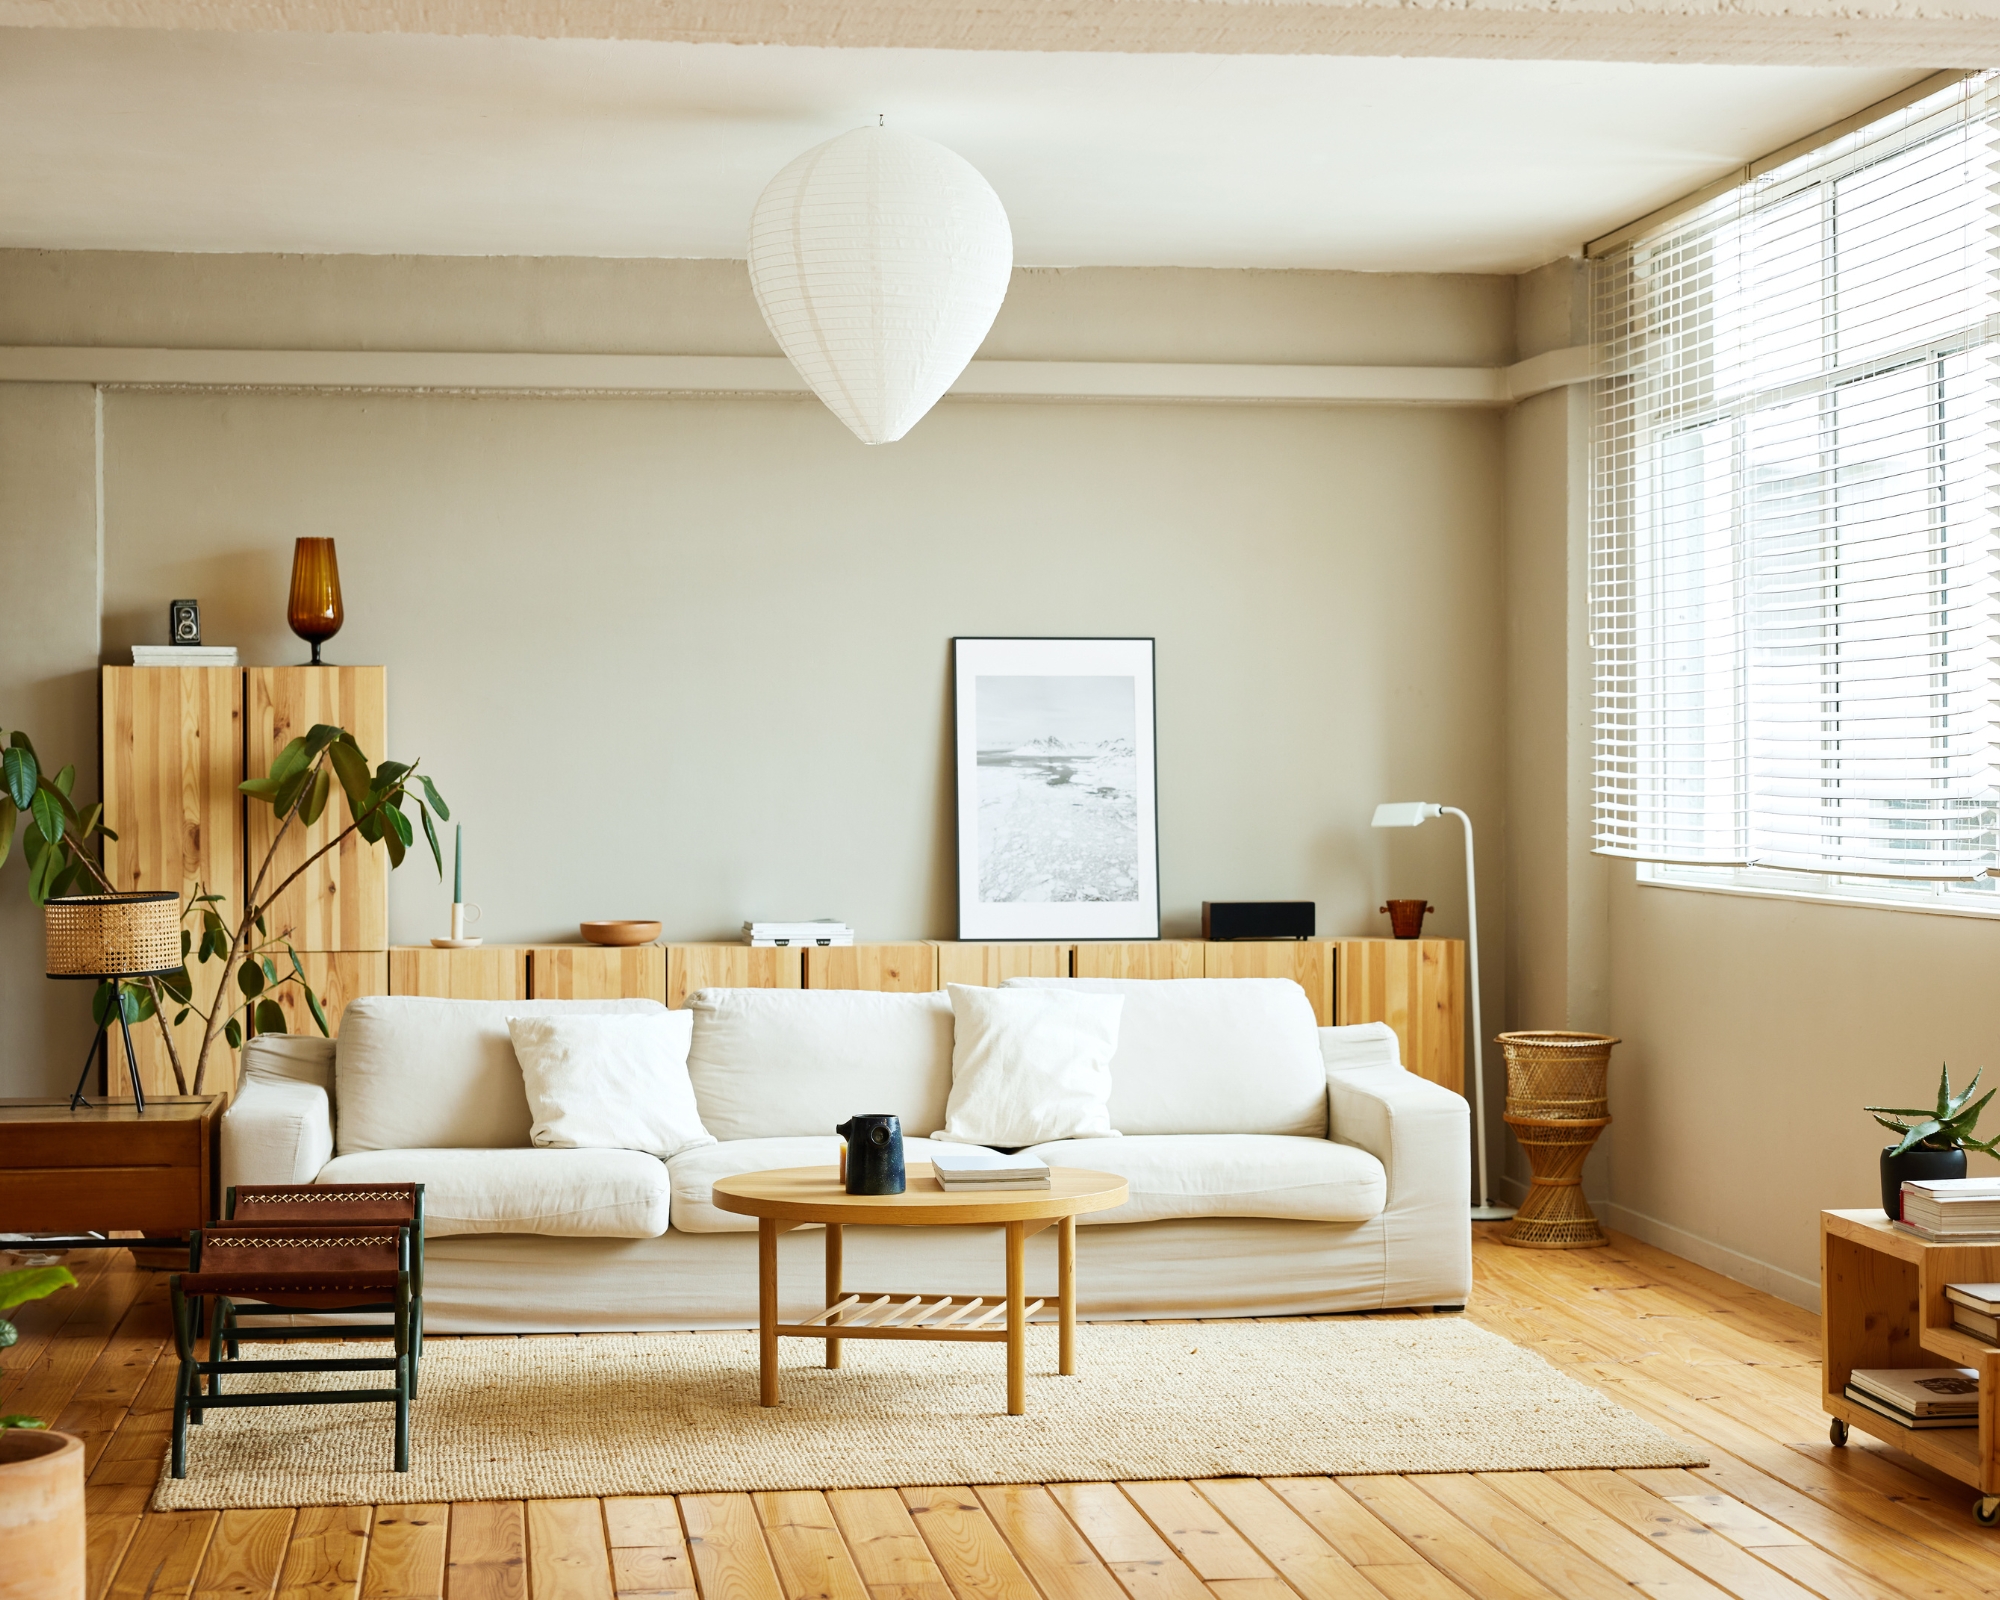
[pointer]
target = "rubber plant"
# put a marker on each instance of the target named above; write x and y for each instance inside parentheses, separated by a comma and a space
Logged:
(1946, 1126)
(256, 964)
(17, 1288)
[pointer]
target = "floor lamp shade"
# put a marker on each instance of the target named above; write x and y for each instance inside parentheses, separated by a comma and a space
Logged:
(879, 260)
(114, 935)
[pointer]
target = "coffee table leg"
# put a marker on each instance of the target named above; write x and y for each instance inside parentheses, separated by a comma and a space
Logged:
(1017, 1330)
(767, 1309)
(833, 1242)
(1066, 1287)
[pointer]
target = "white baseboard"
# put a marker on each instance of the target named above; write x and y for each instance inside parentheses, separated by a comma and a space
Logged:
(1785, 1284)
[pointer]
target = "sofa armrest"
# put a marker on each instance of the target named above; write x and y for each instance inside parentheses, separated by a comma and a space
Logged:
(1422, 1135)
(276, 1131)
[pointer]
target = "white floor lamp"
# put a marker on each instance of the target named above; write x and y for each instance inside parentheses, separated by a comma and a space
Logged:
(1411, 814)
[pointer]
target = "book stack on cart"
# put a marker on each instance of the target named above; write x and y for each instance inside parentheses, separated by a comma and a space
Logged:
(1918, 1397)
(1952, 1210)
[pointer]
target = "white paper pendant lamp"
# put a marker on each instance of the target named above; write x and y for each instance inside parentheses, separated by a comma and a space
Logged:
(879, 261)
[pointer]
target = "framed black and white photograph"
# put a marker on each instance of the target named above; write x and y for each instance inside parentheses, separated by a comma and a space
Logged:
(1058, 820)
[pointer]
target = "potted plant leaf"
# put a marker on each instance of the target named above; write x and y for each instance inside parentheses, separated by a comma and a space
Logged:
(41, 1473)
(1932, 1141)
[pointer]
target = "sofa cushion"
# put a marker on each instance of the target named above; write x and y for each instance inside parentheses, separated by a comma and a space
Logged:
(693, 1174)
(602, 1194)
(412, 1073)
(1229, 1175)
(1030, 1065)
(609, 1083)
(1212, 1055)
(773, 1063)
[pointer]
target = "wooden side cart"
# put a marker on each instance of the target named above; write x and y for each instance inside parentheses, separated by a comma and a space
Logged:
(1882, 1304)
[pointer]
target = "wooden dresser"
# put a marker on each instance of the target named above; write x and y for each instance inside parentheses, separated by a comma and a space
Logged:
(106, 1167)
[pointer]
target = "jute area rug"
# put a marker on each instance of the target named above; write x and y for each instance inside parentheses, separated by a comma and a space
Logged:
(620, 1414)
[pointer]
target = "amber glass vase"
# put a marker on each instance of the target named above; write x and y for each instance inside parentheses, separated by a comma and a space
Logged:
(315, 613)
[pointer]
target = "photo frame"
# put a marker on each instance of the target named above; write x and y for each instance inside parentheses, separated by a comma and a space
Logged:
(1058, 803)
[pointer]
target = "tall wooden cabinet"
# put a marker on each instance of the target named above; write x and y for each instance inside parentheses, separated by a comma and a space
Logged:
(176, 743)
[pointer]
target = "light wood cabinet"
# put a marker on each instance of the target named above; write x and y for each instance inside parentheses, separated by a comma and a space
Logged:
(597, 972)
(342, 901)
(488, 972)
(1307, 962)
(336, 976)
(891, 968)
(1148, 958)
(1417, 986)
(692, 967)
(987, 966)
(172, 750)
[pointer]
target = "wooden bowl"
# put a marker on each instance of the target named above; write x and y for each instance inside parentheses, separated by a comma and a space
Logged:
(619, 932)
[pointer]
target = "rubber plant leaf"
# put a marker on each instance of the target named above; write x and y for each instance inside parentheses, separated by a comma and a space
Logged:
(250, 979)
(318, 1012)
(436, 799)
(270, 1017)
(431, 838)
(322, 786)
(350, 766)
(47, 814)
(8, 812)
(232, 1030)
(66, 779)
(22, 773)
(291, 760)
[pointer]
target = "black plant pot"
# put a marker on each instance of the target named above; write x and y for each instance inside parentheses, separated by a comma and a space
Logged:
(1914, 1166)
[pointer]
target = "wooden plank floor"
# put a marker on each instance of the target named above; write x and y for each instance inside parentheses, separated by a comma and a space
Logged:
(1779, 1514)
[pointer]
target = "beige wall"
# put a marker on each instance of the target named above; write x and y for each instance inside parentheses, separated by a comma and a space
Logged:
(724, 625)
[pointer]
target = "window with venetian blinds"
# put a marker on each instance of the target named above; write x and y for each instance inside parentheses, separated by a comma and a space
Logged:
(1795, 534)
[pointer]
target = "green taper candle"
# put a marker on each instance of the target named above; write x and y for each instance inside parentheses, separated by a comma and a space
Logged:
(458, 865)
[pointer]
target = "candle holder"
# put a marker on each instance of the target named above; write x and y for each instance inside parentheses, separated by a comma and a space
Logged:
(315, 612)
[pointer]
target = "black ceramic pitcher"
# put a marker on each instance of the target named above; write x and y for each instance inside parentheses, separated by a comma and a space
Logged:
(874, 1154)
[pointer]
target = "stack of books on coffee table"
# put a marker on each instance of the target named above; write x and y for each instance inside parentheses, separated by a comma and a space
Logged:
(973, 1168)
(1952, 1210)
(1975, 1309)
(1918, 1397)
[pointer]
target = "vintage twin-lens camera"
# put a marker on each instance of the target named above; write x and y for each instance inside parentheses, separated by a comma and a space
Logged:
(184, 621)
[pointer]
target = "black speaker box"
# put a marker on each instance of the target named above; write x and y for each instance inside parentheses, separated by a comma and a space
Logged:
(1257, 919)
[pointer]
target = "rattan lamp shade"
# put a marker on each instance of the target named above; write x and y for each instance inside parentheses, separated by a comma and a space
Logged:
(114, 935)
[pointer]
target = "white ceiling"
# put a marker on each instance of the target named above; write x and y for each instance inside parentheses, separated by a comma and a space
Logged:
(126, 139)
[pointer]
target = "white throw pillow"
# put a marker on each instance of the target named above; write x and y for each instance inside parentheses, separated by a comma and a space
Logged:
(1030, 1065)
(609, 1082)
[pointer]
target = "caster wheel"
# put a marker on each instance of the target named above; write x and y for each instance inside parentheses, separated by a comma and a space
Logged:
(1986, 1512)
(1837, 1432)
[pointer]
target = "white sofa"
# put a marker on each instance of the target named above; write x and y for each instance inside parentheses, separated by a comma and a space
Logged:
(1275, 1168)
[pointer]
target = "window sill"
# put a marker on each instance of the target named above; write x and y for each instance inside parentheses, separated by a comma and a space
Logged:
(1855, 901)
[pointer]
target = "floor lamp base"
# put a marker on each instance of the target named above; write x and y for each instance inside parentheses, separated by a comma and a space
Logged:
(1492, 1213)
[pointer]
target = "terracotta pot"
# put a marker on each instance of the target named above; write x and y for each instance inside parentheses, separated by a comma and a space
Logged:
(41, 1515)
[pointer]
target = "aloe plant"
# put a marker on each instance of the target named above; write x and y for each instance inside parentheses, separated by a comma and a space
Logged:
(1946, 1126)
(16, 1288)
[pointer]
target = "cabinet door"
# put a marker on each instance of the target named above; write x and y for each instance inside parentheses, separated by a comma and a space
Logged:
(337, 976)
(595, 972)
(342, 901)
(491, 972)
(1417, 986)
(1307, 962)
(1149, 958)
(894, 968)
(172, 747)
(987, 966)
(693, 967)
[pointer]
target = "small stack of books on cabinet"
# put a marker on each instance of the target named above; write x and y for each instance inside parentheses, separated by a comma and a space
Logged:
(1975, 1309)
(1918, 1397)
(184, 655)
(974, 1169)
(823, 932)
(1952, 1210)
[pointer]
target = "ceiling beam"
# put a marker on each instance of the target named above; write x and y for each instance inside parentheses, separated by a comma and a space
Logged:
(1858, 33)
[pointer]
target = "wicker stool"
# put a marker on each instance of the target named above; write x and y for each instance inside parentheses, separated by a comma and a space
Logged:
(291, 1269)
(1557, 1106)
(288, 1204)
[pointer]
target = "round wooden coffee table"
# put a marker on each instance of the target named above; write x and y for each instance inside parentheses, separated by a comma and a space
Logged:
(794, 1196)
